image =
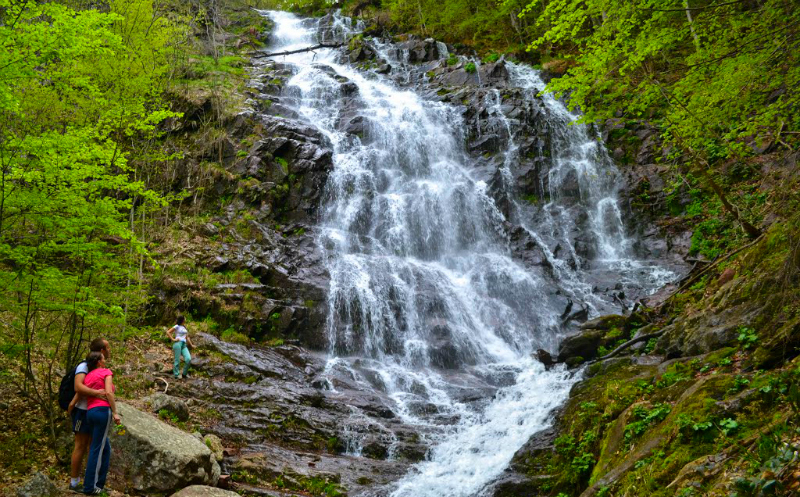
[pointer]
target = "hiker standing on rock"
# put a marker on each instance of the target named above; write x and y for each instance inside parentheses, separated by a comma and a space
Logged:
(78, 410)
(101, 413)
(181, 343)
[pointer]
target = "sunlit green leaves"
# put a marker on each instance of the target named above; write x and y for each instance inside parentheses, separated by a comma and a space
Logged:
(732, 91)
(77, 89)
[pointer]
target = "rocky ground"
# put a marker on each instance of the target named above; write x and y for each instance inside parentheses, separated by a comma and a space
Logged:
(257, 415)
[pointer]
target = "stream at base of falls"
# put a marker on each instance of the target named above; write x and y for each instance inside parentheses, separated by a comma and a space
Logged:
(459, 238)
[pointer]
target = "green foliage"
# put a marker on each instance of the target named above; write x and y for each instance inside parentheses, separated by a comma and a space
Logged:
(715, 80)
(233, 336)
(480, 24)
(77, 87)
(747, 337)
(283, 163)
(578, 452)
(315, 486)
(644, 418)
(728, 68)
(702, 426)
(470, 67)
(728, 426)
(168, 416)
(774, 458)
(491, 57)
(245, 477)
(738, 383)
(531, 198)
(674, 374)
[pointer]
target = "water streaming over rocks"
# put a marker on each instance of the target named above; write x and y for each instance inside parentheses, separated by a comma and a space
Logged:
(464, 225)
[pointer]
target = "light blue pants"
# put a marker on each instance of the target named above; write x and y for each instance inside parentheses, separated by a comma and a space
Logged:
(181, 349)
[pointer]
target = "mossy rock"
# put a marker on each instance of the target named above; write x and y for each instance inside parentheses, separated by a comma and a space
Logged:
(605, 322)
(780, 345)
(580, 347)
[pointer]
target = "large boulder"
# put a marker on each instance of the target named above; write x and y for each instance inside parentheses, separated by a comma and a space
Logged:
(204, 491)
(154, 458)
(38, 486)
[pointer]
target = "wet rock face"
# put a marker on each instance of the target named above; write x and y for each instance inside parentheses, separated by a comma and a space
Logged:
(644, 176)
(421, 50)
(290, 421)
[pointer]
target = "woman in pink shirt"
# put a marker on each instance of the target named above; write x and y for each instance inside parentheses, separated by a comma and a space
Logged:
(100, 413)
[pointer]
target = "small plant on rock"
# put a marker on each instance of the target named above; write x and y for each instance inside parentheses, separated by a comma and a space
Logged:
(644, 419)
(747, 337)
(728, 426)
(167, 415)
(491, 58)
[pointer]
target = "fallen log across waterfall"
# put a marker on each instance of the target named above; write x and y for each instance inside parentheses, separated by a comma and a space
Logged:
(259, 55)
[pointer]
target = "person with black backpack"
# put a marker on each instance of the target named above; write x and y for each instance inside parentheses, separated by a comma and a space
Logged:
(73, 396)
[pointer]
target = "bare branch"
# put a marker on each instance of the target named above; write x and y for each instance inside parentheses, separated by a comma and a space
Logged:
(259, 55)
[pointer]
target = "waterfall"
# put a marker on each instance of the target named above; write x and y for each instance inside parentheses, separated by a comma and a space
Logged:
(424, 288)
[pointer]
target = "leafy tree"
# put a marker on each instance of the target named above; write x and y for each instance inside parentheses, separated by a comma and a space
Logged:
(481, 24)
(719, 78)
(75, 86)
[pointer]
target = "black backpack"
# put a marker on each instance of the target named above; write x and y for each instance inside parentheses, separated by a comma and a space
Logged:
(66, 391)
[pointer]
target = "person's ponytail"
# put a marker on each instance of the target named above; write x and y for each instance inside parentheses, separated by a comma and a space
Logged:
(93, 359)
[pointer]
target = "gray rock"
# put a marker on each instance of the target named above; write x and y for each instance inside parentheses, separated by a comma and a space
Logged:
(153, 457)
(204, 491)
(38, 486)
(199, 362)
(215, 444)
(173, 405)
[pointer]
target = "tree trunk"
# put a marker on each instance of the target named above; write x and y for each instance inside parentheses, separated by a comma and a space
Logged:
(691, 23)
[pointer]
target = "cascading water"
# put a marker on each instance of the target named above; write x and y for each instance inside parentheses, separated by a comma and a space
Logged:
(424, 289)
